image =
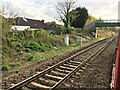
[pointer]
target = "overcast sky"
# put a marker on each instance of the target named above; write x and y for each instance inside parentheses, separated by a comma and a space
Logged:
(45, 9)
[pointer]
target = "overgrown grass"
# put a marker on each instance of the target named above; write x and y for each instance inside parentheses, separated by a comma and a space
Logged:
(28, 41)
(17, 43)
(32, 57)
(23, 48)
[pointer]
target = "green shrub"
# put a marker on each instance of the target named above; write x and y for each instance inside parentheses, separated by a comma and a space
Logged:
(17, 46)
(28, 41)
(45, 45)
(6, 50)
(34, 46)
(27, 50)
(30, 58)
(59, 30)
(41, 34)
(78, 30)
(56, 42)
(5, 67)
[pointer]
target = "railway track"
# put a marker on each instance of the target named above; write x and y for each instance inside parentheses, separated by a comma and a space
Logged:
(52, 77)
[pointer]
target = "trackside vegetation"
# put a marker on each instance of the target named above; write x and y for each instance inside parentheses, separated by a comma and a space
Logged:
(23, 48)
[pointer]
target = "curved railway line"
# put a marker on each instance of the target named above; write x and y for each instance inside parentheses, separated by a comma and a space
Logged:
(52, 77)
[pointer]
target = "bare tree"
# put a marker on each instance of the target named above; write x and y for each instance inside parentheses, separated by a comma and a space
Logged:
(8, 14)
(63, 9)
(9, 11)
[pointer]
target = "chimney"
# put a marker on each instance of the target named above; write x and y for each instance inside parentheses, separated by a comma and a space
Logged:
(42, 21)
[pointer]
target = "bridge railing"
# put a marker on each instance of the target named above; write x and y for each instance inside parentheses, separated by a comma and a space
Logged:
(109, 21)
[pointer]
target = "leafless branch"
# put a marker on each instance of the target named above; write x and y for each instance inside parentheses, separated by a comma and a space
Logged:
(63, 9)
(8, 11)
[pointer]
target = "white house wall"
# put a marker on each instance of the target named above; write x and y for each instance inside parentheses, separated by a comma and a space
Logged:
(15, 27)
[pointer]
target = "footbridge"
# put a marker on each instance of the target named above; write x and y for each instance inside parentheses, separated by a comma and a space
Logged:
(91, 27)
(103, 23)
(107, 23)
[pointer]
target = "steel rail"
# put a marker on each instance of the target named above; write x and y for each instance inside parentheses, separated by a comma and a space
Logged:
(86, 60)
(26, 81)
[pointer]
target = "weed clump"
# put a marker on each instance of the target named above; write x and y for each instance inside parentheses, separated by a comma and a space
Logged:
(30, 58)
(5, 67)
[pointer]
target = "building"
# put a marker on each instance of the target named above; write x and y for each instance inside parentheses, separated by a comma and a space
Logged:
(20, 28)
(22, 23)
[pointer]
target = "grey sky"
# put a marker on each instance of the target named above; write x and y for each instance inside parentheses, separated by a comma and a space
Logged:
(45, 9)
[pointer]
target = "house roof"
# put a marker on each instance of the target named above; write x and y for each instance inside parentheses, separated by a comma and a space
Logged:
(31, 22)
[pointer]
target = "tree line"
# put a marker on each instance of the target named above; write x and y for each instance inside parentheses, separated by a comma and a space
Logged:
(72, 17)
(69, 14)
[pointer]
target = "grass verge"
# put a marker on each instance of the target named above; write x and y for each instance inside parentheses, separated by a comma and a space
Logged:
(27, 59)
